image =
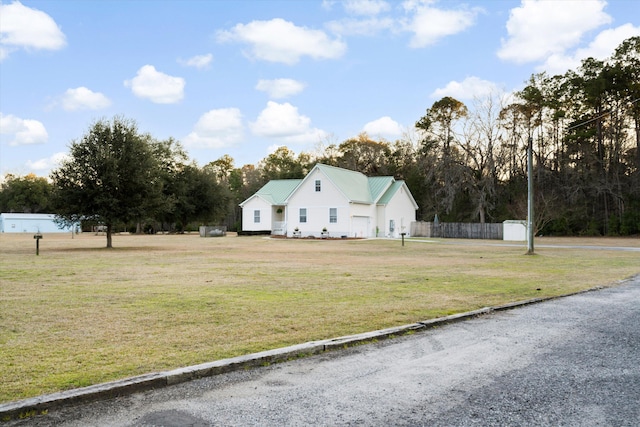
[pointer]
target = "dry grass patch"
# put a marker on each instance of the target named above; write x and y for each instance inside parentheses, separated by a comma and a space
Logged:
(80, 314)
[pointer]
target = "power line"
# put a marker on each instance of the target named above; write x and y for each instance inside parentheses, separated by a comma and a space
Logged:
(606, 113)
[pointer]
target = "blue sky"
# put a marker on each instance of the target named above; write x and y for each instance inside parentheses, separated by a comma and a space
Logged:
(244, 77)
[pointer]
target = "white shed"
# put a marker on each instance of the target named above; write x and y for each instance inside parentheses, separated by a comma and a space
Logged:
(514, 230)
(30, 223)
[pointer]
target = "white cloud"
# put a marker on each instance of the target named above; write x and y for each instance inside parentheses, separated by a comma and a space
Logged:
(278, 40)
(384, 127)
(283, 121)
(23, 131)
(366, 7)
(540, 29)
(280, 88)
(602, 47)
(24, 27)
(156, 86)
(217, 129)
(430, 24)
(47, 163)
(82, 98)
(361, 27)
(328, 4)
(198, 61)
(469, 88)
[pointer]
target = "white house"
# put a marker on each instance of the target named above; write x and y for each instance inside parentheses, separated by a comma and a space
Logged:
(30, 223)
(344, 202)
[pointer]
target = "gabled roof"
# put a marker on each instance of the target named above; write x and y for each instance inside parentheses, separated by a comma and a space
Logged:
(276, 191)
(392, 190)
(357, 187)
(378, 186)
(354, 185)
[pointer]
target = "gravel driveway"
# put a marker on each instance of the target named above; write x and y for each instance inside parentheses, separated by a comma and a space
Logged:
(572, 361)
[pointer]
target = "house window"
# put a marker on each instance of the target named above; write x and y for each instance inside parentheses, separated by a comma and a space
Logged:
(333, 215)
(256, 216)
(392, 226)
(303, 215)
(318, 185)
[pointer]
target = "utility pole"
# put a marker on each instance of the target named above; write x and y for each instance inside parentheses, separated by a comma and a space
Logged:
(530, 232)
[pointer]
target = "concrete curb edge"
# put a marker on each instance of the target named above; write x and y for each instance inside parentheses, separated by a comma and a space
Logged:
(39, 404)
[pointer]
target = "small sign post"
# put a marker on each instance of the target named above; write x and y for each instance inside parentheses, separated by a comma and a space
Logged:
(403, 234)
(37, 237)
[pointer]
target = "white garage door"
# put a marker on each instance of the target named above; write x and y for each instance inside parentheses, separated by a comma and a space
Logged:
(360, 226)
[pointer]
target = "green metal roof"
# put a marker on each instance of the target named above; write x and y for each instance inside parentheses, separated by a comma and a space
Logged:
(354, 185)
(378, 185)
(276, 191)
(386, 197)
(395, 187)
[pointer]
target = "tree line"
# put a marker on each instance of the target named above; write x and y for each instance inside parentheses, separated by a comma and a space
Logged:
(462, 163)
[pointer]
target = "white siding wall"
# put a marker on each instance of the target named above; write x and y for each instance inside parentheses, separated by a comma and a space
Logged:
(248, 209)
(381, 221)
(401, 210)
(318, 204)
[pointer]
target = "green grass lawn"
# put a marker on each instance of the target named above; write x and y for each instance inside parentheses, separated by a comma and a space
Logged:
(80, 314)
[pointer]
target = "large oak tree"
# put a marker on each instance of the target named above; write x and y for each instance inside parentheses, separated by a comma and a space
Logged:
(111, 176)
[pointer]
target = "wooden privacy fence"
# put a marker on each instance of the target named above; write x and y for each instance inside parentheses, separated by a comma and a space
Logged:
(457, 230)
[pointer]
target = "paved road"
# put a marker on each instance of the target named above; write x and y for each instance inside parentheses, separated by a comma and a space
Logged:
(573, 361)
